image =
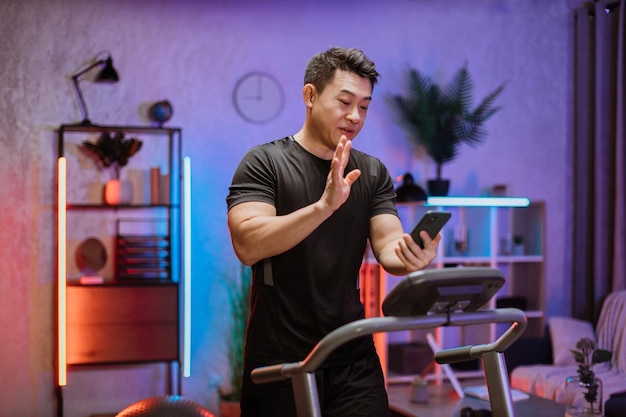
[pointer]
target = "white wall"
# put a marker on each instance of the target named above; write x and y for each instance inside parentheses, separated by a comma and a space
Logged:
(191, 53)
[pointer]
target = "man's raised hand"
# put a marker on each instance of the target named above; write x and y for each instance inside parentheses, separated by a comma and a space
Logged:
(338, 186)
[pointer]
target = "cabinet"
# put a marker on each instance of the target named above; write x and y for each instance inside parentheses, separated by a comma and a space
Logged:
(511, 239)
(122, 323)
(123, 270)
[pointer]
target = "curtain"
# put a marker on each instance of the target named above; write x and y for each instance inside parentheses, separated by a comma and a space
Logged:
(599, 157)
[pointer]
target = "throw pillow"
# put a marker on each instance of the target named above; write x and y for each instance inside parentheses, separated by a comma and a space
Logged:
(565, 332)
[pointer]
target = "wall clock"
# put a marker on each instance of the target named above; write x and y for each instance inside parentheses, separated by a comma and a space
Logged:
(258, 97)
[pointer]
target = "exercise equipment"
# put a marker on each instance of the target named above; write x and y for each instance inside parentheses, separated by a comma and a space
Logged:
(422, 300)
(165, 406)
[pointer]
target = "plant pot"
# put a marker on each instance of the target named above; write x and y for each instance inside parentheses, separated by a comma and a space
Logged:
(230, 409)
(583, 399)
(438, 188)
(118, 192)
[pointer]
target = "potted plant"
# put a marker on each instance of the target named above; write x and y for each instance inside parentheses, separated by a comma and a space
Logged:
(239, 301)
(113, 151)
(440, 118)
(583, 392)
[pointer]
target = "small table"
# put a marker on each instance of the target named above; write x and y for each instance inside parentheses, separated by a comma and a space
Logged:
(444, 402)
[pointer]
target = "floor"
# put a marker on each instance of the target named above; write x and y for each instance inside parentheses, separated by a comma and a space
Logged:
(444, 402)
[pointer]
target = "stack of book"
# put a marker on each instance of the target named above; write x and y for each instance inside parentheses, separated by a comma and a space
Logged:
(142, 257)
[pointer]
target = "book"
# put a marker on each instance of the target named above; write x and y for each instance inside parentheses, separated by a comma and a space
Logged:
(91, 280)
(481, 392)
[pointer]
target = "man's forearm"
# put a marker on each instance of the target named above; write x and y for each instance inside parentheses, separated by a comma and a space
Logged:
(390, 261)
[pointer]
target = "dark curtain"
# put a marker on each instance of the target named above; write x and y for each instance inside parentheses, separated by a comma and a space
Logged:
(599, 169)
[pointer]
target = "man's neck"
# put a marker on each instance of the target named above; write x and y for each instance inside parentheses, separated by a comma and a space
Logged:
(313, 145)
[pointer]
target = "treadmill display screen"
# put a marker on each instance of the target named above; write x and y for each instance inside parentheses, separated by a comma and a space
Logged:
(465, 290)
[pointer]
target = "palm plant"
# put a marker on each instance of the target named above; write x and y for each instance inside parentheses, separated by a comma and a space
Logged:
(441, 118)
(239, 300)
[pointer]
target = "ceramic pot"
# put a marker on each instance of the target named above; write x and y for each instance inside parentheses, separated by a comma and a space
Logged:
(438, 188)
(118, 192)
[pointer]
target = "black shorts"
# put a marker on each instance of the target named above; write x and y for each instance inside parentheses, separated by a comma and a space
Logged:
(354, 390)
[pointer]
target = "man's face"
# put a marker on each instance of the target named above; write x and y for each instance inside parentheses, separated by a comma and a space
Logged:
(341, 107)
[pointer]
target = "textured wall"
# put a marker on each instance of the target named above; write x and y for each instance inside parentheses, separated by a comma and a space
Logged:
(191, 52)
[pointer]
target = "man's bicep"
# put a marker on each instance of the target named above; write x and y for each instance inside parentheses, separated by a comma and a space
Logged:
(249, 210)
(244, 222)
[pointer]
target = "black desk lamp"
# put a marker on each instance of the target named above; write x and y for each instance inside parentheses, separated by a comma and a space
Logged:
(107, 74)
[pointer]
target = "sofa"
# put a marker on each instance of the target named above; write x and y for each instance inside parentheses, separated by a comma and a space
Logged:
(540, 366)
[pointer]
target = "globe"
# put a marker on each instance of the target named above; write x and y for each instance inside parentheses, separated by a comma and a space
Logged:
(160, 112)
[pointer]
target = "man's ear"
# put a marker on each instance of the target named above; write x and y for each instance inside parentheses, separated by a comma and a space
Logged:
(309, 94)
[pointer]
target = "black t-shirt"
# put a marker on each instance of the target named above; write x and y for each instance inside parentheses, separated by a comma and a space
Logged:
(303, 294)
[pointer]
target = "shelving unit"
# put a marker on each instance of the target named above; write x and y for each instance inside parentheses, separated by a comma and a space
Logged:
(136, 307)
(478, 236)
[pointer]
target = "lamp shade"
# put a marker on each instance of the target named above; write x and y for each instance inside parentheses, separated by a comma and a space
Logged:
(107, 73)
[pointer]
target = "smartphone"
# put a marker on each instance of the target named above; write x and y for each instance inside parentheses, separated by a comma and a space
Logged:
(432, 222)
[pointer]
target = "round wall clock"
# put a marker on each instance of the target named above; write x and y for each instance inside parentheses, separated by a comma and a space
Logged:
(258, 97)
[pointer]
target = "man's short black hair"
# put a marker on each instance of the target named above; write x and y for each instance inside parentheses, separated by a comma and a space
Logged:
(321, 68)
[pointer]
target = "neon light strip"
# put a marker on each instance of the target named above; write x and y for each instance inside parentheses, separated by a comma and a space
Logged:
(61, 274)
(479, 201)
(187, 267)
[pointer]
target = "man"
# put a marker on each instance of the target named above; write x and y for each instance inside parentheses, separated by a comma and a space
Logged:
(301, 210)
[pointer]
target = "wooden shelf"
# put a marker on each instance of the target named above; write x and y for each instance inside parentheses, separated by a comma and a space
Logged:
(79, 206)
(487, 229)
(137, 318)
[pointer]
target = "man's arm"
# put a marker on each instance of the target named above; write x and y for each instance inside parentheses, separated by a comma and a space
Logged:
(395, 250)
(258, 233)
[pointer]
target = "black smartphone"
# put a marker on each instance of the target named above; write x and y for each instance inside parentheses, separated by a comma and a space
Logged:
(432, 222)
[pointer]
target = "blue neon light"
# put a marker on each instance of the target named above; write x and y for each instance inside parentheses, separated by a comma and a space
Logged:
(187, 266)
(479, 201)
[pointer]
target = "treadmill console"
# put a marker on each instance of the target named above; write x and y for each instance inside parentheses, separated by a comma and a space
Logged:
(440, 290)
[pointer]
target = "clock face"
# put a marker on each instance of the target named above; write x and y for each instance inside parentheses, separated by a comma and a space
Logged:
(258, 97)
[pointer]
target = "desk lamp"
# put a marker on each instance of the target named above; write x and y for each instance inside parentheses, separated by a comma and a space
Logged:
(107, 74)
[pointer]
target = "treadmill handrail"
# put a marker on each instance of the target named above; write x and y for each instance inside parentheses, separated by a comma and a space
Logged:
(367, 326)
(465, 353)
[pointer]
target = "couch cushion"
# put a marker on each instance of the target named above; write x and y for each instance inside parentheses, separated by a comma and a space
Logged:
(611, 330)
(529, 351)
(565, 332)
(548, 381)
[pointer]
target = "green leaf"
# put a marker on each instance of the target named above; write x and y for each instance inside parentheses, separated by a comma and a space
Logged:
(112, 150)
(601, 355)
(578, 356)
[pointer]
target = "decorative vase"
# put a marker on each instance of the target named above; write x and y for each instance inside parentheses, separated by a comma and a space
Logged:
(438, 188)
(460, 239)
(519, 249)
(118, 192)
(419, 391)
(583, 399)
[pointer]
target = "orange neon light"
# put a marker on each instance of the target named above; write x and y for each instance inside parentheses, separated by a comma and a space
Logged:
(61, 274)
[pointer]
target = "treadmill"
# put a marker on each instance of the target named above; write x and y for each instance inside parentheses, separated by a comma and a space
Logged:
(422, 300)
